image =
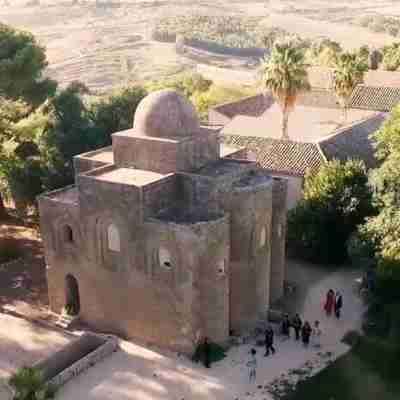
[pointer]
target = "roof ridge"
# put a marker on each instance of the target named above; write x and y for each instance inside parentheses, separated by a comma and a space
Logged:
(345, 128)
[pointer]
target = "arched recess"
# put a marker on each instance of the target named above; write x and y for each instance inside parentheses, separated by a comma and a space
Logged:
(67, 233)
(109, 235)
(113, 238)
(72, 299)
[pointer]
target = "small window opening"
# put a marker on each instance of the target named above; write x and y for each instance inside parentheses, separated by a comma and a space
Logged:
(221, 268)
(164, 258)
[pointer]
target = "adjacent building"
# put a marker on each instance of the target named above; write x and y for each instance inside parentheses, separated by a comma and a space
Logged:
(318, 132)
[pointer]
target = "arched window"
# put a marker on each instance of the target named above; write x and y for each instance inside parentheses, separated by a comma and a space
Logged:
(67, 234)
(113, 238)
(164, 257)
(263, 237)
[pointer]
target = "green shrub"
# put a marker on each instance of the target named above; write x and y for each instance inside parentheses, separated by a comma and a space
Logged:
(28, 384)
(351, 338)
(217, 353)
(9, 250)
(336, 200)
(231, 31)
(383, 356)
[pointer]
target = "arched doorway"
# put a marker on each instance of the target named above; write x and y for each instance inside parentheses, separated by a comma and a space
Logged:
(72, 301)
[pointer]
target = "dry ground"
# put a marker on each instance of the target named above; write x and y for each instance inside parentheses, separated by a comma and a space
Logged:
(105, 47)
(23, 287)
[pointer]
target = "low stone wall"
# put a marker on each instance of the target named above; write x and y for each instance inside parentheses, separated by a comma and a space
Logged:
(86, 362)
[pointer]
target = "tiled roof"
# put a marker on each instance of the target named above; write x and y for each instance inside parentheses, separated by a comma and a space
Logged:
(284, 156)
(375, 98)
(353, 141)
(252, 106)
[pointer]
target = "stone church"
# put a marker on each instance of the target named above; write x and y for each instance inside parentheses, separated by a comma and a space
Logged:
(166, 236)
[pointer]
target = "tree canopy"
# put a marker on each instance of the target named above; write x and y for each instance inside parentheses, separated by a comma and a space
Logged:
(285, 75)
(348, 71)
(22, 64)
(336, 200)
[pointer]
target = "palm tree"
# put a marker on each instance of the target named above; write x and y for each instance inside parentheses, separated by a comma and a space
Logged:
(348, 71)
(285, 75)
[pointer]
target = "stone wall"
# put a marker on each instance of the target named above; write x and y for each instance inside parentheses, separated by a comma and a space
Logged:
(251, 213)
(86, 362)
(166, 155)
(278, 243)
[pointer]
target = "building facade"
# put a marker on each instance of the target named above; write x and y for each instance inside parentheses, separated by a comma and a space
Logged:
(161, 239)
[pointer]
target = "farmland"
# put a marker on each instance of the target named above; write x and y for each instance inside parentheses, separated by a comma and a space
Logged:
(105, 43)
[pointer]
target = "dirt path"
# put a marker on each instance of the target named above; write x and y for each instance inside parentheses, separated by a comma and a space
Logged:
(23, 286)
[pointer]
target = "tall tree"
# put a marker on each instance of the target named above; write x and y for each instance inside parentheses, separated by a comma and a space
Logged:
(285, 75)
(348, 71)
(22, 63)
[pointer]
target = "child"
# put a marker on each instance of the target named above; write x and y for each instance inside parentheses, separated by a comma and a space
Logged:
(317, 335)
(252, 364)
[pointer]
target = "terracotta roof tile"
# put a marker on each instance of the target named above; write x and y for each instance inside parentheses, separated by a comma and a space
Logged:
(252, 106)
(285, 156)
(353, 141)
(375, 98)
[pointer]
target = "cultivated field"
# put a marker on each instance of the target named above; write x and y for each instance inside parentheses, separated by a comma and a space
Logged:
(108, 42)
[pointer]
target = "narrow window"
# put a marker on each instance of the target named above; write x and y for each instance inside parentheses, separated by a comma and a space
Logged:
(263, 237)
(113, 238)
(221, 268)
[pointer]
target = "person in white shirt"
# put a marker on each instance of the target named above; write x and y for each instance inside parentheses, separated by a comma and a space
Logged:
(316, 334)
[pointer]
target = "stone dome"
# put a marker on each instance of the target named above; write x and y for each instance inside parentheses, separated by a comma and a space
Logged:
(165, 113)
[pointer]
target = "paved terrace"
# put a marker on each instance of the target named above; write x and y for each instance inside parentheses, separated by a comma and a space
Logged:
(306, 124)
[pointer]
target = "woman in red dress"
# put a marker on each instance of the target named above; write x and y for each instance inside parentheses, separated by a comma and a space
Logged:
(329, 302)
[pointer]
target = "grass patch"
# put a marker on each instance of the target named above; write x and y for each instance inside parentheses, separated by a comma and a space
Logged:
(368, 372)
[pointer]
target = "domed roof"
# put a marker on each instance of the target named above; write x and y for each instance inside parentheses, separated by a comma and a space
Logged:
(165, 113)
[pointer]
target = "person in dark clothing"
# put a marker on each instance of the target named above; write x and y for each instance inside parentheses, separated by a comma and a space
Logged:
(338, 304)
(297, 324)
(269, 341)
(207, 353)
(306, 333)
(286, 327)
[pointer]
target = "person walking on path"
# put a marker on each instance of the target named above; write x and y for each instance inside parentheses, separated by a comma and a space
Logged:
(306, 333)
(338, 304)
(329, 302)
(269, 341)
(297, 324)
(285, 327)
(252, 364)
(316, 332)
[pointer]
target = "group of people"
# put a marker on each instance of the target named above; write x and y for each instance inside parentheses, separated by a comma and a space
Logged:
(303, 330)
(333, 303)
